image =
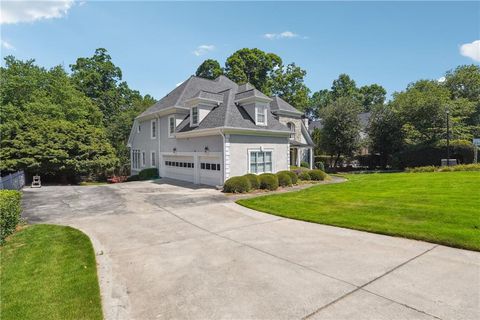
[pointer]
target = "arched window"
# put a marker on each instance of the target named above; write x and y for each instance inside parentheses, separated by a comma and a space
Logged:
(291, 126)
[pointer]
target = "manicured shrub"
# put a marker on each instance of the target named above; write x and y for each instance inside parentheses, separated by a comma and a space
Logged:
(292, 175)
(317, 175)
(304, 164)
(320, 165)
(421, 169)
(10, 210)
(148, 174)
(268, 181)
(254, 180)
(237, 185)
(304, 176)
(135, 177)
(284, 179)
(460, 167)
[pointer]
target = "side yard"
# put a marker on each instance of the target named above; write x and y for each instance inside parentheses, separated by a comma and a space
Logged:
(439, 207)
(49, 272)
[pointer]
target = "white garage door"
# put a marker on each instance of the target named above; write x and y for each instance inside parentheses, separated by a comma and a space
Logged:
(210, 171)
(179, 167)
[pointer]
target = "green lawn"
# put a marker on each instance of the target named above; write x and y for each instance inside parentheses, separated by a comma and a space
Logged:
(49, 272)
(440, 207)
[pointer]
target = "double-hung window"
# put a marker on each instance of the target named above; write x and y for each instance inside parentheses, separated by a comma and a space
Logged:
(194, 116)
(154, 129)
(135, 159)
(261, 115)
(144, 160)
(260, 161)
(171, 126)
(153, 161)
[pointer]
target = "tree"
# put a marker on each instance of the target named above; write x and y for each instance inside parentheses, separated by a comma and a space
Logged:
(253, 66)
(50, 127)
(371, 96)
(288, 84)
(464, 82)
(209, 69)
(97, 77)
(422, 110)
(384, 133)
(340, 134)
(344, 86)
(318, 102)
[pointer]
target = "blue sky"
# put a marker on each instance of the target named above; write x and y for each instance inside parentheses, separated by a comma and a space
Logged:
(159, 44)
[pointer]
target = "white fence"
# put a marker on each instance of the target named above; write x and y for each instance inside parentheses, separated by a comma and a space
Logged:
(14, 181)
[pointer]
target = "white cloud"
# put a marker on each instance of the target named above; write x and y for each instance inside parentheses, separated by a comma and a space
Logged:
(283, 35)
(7, 45)
(471, 50)
(29, 11)
(441, 79)
(202, 49)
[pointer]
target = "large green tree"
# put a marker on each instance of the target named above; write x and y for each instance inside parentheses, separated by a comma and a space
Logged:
(384, 133)
(340, 134)
(47, 125)
(209, 69)
(288, 83)
(372, 95)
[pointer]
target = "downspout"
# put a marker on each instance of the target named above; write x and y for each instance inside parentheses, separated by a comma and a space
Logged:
(159, 165)
(223, 156)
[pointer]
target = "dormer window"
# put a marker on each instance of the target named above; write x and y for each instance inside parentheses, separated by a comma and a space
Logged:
(194, 116)
(260, 116)
(171, 126)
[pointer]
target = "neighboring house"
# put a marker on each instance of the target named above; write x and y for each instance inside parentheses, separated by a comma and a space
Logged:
(206, 131)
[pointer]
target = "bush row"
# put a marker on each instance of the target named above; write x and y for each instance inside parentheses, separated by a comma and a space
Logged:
(10, 210)
(271, 181)
(460, 167)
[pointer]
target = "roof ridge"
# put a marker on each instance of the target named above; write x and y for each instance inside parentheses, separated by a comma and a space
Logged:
(186, 82)
(227, 106)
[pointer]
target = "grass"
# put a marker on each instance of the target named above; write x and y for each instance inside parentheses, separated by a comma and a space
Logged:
(49, 272)
(439, 207)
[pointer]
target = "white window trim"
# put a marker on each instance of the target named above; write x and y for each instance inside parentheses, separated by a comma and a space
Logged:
(260, 150)
(153, 159)
(257, 108)
(171, 134)
(193, 124)
(143, 159)
(153, 133)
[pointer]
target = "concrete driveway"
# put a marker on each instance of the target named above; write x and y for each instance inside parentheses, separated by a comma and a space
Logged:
(173, 251)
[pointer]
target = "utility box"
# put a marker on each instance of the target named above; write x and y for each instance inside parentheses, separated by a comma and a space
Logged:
(449, 162)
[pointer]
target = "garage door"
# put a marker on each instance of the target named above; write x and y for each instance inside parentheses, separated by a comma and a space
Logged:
(179, 167)
(210, 171)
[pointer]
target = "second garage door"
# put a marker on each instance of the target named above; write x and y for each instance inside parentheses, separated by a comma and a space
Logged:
(210, 171)
(180, 168)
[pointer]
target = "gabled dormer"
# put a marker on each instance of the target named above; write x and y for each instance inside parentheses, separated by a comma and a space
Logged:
(201, 104)
(255, 103)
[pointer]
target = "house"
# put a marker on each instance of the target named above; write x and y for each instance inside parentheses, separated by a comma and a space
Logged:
(206, 131)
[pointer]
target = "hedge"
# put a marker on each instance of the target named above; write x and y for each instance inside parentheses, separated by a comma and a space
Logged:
(292, 175)
(461, 167)
(254, 180)
(10, 210)
(148, 174)
(268, 181)
(134, 177)
(317, 175)
(304, 176)
(431, 155)
(284, 179)
(304, 164)
(237, 185)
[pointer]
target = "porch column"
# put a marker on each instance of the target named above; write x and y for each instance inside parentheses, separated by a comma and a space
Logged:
(298, 156)
(310, 150)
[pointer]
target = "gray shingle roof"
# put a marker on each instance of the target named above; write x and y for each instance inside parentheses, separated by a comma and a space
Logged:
(280, 104)
(226, 114)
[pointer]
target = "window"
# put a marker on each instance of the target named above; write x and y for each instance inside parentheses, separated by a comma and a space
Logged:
(179, 164)
(135, 159)
(210, 166)
(261, 115)
(144, 160)
(260, 161)
(171, 126)
(154, 129)
(291, 126)
(139, 128)
(195, 116)
(153, 160)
